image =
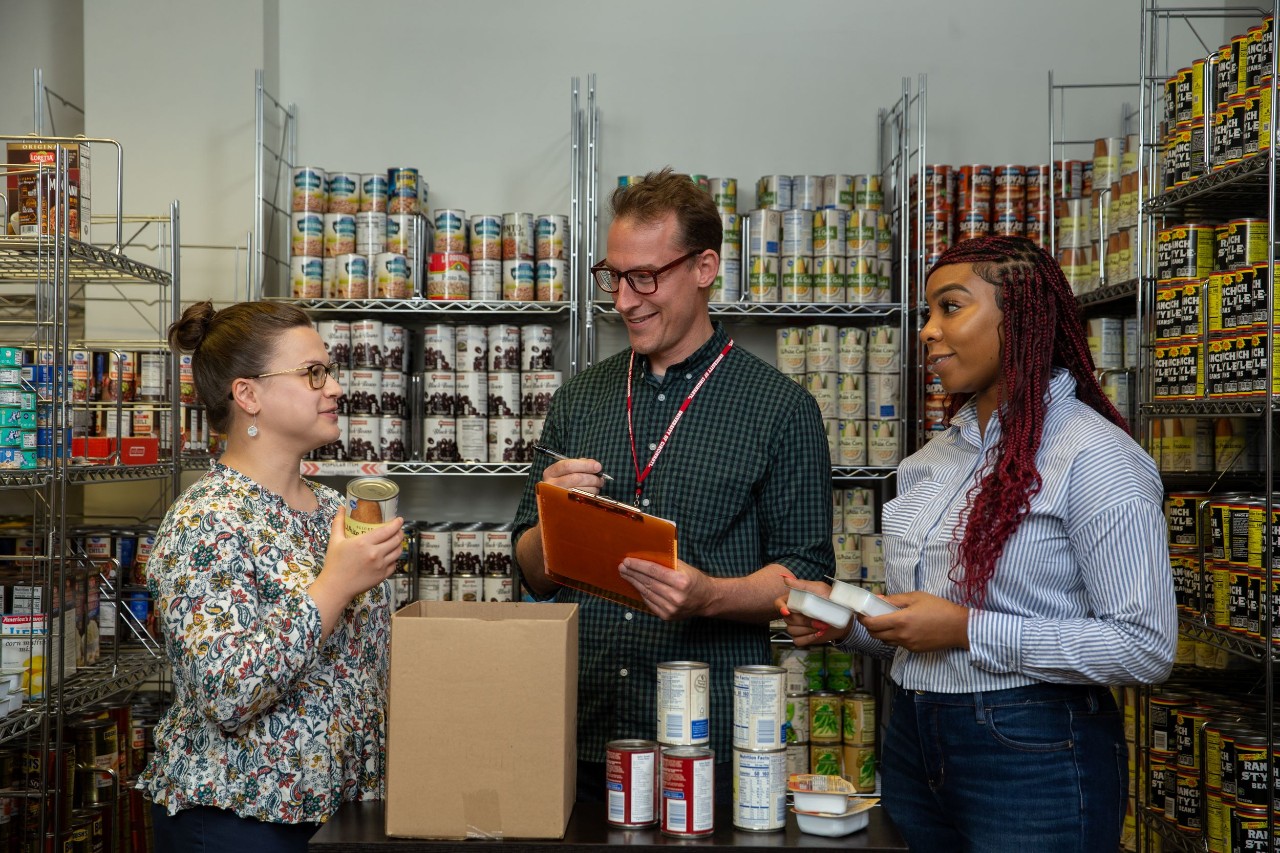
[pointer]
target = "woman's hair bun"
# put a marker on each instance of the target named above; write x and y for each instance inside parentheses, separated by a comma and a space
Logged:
(192, 327)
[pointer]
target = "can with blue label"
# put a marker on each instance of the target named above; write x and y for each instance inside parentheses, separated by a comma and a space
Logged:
(403, 191)
(486, 237)
(306, 234)
(373, 193)
(551, 234)
(451, 230)
(344, 192)
(309, 191)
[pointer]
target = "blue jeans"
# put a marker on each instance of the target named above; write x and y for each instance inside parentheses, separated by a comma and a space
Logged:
(204, 828)
(1035, 769)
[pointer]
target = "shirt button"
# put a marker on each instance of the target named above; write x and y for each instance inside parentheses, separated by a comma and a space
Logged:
(662, 397)
(653, 446)
(628, 616)
(622, 672)
(688, 376)
(644, 502)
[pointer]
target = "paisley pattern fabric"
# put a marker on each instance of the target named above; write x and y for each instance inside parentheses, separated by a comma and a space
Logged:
(266, 721)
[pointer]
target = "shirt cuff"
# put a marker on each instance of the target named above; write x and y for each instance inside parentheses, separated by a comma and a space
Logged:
(995, 641)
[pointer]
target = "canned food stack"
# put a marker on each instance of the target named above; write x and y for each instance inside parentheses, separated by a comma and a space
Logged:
(1198, 137)
(822, 673)
(728, 284)
(1113, 345)
(486, 390)
(1218, 350)
(18, 417)
(357, 235)
(373, 409)
(1208, 764)
(687, 763)
(859, 549)
(759, 748)
(463, 561)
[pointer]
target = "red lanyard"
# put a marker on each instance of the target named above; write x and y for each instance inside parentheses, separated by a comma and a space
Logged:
(671, 427)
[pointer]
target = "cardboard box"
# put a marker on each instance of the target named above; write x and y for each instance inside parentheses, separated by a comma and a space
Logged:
(482, 726)
(22, 639)
(139, 451)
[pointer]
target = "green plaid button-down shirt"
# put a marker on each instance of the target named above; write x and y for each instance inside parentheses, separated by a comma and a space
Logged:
(746, 476)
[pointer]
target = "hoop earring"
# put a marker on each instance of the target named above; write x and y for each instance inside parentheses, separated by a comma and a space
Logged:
(253, 427)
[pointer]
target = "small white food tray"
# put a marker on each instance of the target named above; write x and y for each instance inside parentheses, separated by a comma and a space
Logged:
(860, 600)
(834, 825)
(816, 607)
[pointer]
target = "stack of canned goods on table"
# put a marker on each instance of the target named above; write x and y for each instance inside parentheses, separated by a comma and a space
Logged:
(855, 374)
(817, 239)
(1208, 768)
(829, 719)
(487, 391)
(1217, 112)
(1217, 548)
(1211, 337)
(373, 409)
(859, 549)
(489, 257)
(461, 561)
(357, 235)
(1097, 216)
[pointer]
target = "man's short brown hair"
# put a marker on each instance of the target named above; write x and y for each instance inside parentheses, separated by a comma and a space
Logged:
(660, 193)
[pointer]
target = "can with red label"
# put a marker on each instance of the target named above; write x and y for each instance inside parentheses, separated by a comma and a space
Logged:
(688, 784)
(631, 782)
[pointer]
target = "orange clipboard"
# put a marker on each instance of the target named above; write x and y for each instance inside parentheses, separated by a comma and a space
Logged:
(585, 537)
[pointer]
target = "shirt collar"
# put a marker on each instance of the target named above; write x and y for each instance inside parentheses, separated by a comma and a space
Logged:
(701, 358)
(1062, 386)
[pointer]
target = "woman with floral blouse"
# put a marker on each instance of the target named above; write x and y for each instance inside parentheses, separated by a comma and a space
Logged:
(275, 622)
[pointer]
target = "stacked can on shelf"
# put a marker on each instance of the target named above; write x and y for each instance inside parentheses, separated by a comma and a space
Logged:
(759, 748)
(487, 391)
(373, 409)
(18, 436)
(464, 561)
(687, 764)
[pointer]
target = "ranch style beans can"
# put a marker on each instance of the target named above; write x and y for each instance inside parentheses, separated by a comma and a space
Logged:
(688, 791)
(683, 702)
(371, 502)
(631, 782)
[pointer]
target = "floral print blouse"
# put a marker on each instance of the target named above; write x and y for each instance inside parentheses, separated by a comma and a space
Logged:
(266, 722)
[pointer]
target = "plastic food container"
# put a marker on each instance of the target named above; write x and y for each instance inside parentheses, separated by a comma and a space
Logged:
(859, 600)
(816, 607)
(834, 826)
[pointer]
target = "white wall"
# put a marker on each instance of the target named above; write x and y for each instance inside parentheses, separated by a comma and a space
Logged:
(48, 35)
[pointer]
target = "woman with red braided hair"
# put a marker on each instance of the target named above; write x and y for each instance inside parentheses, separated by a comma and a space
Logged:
(1026, 552)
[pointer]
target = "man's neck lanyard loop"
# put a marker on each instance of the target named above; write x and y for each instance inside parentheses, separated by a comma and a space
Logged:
(641, 475)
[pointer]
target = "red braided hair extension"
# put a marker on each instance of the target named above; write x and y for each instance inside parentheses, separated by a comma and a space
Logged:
(1041, 329)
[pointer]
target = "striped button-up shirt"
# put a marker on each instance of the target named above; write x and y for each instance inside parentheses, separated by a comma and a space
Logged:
(1083, 592)
(746, 477)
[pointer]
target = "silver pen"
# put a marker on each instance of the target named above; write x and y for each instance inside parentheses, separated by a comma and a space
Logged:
(547, 451)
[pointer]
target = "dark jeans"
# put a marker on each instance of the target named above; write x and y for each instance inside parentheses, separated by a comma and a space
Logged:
(1040, 768)
(204, 828)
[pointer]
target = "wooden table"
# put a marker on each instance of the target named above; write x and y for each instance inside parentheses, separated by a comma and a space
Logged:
(358, 827)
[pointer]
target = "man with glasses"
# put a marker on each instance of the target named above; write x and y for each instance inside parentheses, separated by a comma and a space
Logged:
(693, 428)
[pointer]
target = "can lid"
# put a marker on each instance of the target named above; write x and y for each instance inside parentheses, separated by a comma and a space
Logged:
(372, 488)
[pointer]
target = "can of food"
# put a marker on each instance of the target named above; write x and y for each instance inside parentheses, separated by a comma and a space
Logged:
(438, 347)
(471, 353)
(364, 437)
(829, 231)
(364, 391)
(405, 233)
(466, 586)
(306, 233)
(791, 353)
(439, 439)
(450, 230)
(473, 438)
(551, 279)
(883, 396)
(391, 276)
(683, 702)
(851, 350)
(760, 790)
(762, 280)
(121, 379)
(395, 348)
(631, 782)
(551, 235)
(306, 277)
(821, 343)
(339, 234)
(884, 355)
(1258, 54)
(1183, 513)
(724, 194)
(797, 232)
(366, 343)
(308, 190)
(824, 717)
(829, 279)
(883, 448)
(448, 276)
(536, 390)
(519, 280)
(350, 278)
(403, 191)
(371, 502)
(859, 719)
(797, 758)
(688, 791)
(504, 395)
(518, 237)
(859, 507)
(472, 394)
(765, 232)
(537, 342)
(758, 708)
(485, 231)
(822, 386)
(371, 232)
(96, 743)
(860, 767)
(373, 193)
(862, 279)
(826, 759)
(773, 192)
(391, 439)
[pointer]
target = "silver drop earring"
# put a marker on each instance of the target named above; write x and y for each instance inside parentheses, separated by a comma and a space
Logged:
(253, 427)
